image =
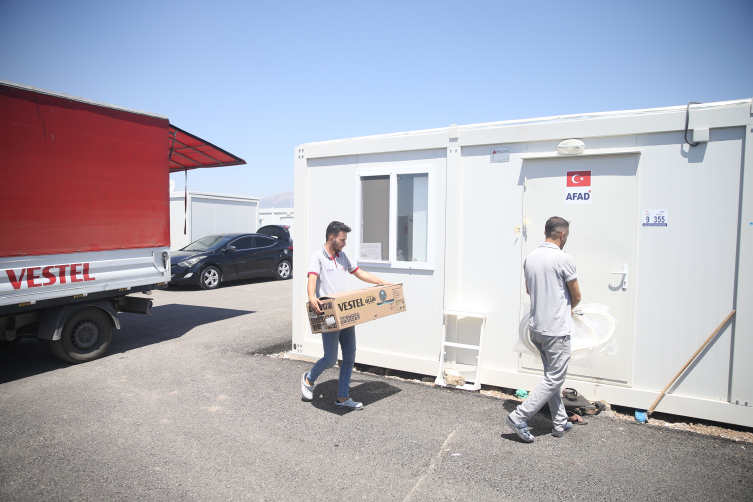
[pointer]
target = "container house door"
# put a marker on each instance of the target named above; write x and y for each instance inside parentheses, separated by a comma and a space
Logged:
(597, 196)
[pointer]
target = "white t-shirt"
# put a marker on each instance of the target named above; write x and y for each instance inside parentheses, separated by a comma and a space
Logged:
(547, 270)
(332, 272)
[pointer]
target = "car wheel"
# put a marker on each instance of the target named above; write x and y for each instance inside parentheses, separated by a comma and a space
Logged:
(210, 278)
(85, 336)
(284, 270)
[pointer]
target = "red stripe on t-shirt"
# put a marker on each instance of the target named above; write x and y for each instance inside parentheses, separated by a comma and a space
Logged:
(314, 273)
(355, 270)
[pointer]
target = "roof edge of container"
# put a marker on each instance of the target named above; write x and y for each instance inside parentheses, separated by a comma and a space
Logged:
(29, 88)
(542, 120)
(181, 193)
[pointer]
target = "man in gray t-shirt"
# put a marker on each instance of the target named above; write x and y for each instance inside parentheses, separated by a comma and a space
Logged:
(552, 283)
(328, 273)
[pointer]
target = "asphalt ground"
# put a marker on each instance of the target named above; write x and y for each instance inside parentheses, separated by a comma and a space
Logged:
(181, 409)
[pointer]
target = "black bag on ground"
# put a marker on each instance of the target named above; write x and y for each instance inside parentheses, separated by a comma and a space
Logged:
(578, 404)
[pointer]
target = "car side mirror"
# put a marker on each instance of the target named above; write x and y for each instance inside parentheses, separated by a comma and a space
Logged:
(230, 248)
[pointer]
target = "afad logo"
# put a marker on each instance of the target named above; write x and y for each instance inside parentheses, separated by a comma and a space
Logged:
(578, 187)
(585, 196)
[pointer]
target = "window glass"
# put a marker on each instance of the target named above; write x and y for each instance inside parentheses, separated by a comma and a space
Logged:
(208, 243)
(412, 217)
(375, 218)
(243, 243)
(262, 242)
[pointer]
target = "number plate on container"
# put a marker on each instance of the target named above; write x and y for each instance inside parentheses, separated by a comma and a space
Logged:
(655, 217)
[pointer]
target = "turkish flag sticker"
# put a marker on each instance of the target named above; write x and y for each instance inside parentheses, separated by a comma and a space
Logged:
(579, 178)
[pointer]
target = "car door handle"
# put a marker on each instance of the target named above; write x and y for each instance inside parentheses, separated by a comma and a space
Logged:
(624, 273)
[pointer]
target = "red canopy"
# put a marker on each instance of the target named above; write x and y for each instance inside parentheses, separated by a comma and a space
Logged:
(190, 152)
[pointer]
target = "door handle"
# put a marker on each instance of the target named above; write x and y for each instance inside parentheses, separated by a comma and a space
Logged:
(624, 273)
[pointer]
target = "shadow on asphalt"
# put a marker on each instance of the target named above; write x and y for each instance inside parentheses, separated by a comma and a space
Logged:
(229, 284)
(368, 392)
(29, 357)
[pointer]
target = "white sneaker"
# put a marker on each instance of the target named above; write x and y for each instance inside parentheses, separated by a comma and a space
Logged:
(306, 390)
(349, 404)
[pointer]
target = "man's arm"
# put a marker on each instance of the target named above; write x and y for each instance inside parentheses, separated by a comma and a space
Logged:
(367, 277)
(574, 289)
(313, 300)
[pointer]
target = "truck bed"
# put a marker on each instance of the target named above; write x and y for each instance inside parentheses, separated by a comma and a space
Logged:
(32, 281)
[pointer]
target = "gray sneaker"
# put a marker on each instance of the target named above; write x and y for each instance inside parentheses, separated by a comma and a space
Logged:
(307, 391)
(559, 433)
(349, 404)
(520, 429)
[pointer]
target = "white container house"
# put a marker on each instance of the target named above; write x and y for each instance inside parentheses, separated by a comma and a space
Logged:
(209, 213)
(451, 213)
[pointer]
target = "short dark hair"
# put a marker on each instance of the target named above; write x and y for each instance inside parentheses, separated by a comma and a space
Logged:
(555, 226)
(335, 228)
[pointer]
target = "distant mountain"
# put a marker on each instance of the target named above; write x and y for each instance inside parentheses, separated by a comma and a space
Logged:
(284, 199)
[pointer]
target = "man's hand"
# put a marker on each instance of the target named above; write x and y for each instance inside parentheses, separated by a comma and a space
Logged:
(316, 304)
(574, 289)
(367, 277)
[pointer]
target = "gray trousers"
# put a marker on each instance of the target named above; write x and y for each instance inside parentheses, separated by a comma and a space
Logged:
(555, 354)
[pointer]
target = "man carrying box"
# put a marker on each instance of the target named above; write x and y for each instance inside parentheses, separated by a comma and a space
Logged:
(328, 274)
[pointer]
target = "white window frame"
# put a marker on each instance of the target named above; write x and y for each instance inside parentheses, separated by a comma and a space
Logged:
(430, 219)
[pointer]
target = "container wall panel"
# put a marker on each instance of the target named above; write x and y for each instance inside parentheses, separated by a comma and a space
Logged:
(418, 332)
(490, 250)
(178, 239)
(331, 196)
(686, 271)
(216, 216)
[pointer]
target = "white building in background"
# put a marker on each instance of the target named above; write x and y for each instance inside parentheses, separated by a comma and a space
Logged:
(208, 214)
(661, 232)
(277, 216)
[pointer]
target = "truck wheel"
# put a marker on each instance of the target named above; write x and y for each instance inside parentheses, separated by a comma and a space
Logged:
(283, 270)
(210, 278)
(85, 336)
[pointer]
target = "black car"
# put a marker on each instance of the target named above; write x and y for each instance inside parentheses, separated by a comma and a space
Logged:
(225, 257)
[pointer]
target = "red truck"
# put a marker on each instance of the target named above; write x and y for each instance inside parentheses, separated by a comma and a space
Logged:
(84, 214)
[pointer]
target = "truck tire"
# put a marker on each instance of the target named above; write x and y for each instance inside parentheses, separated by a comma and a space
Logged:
(284, 269)
(85, 336)
(210, 278)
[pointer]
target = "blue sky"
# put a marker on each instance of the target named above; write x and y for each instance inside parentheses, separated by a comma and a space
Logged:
(259, 78)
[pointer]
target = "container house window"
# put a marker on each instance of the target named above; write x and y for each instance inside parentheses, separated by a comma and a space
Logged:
(412, 217)
(396, 219)
(375, 218)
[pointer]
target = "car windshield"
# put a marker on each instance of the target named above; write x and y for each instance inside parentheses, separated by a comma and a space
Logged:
(209, 243)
